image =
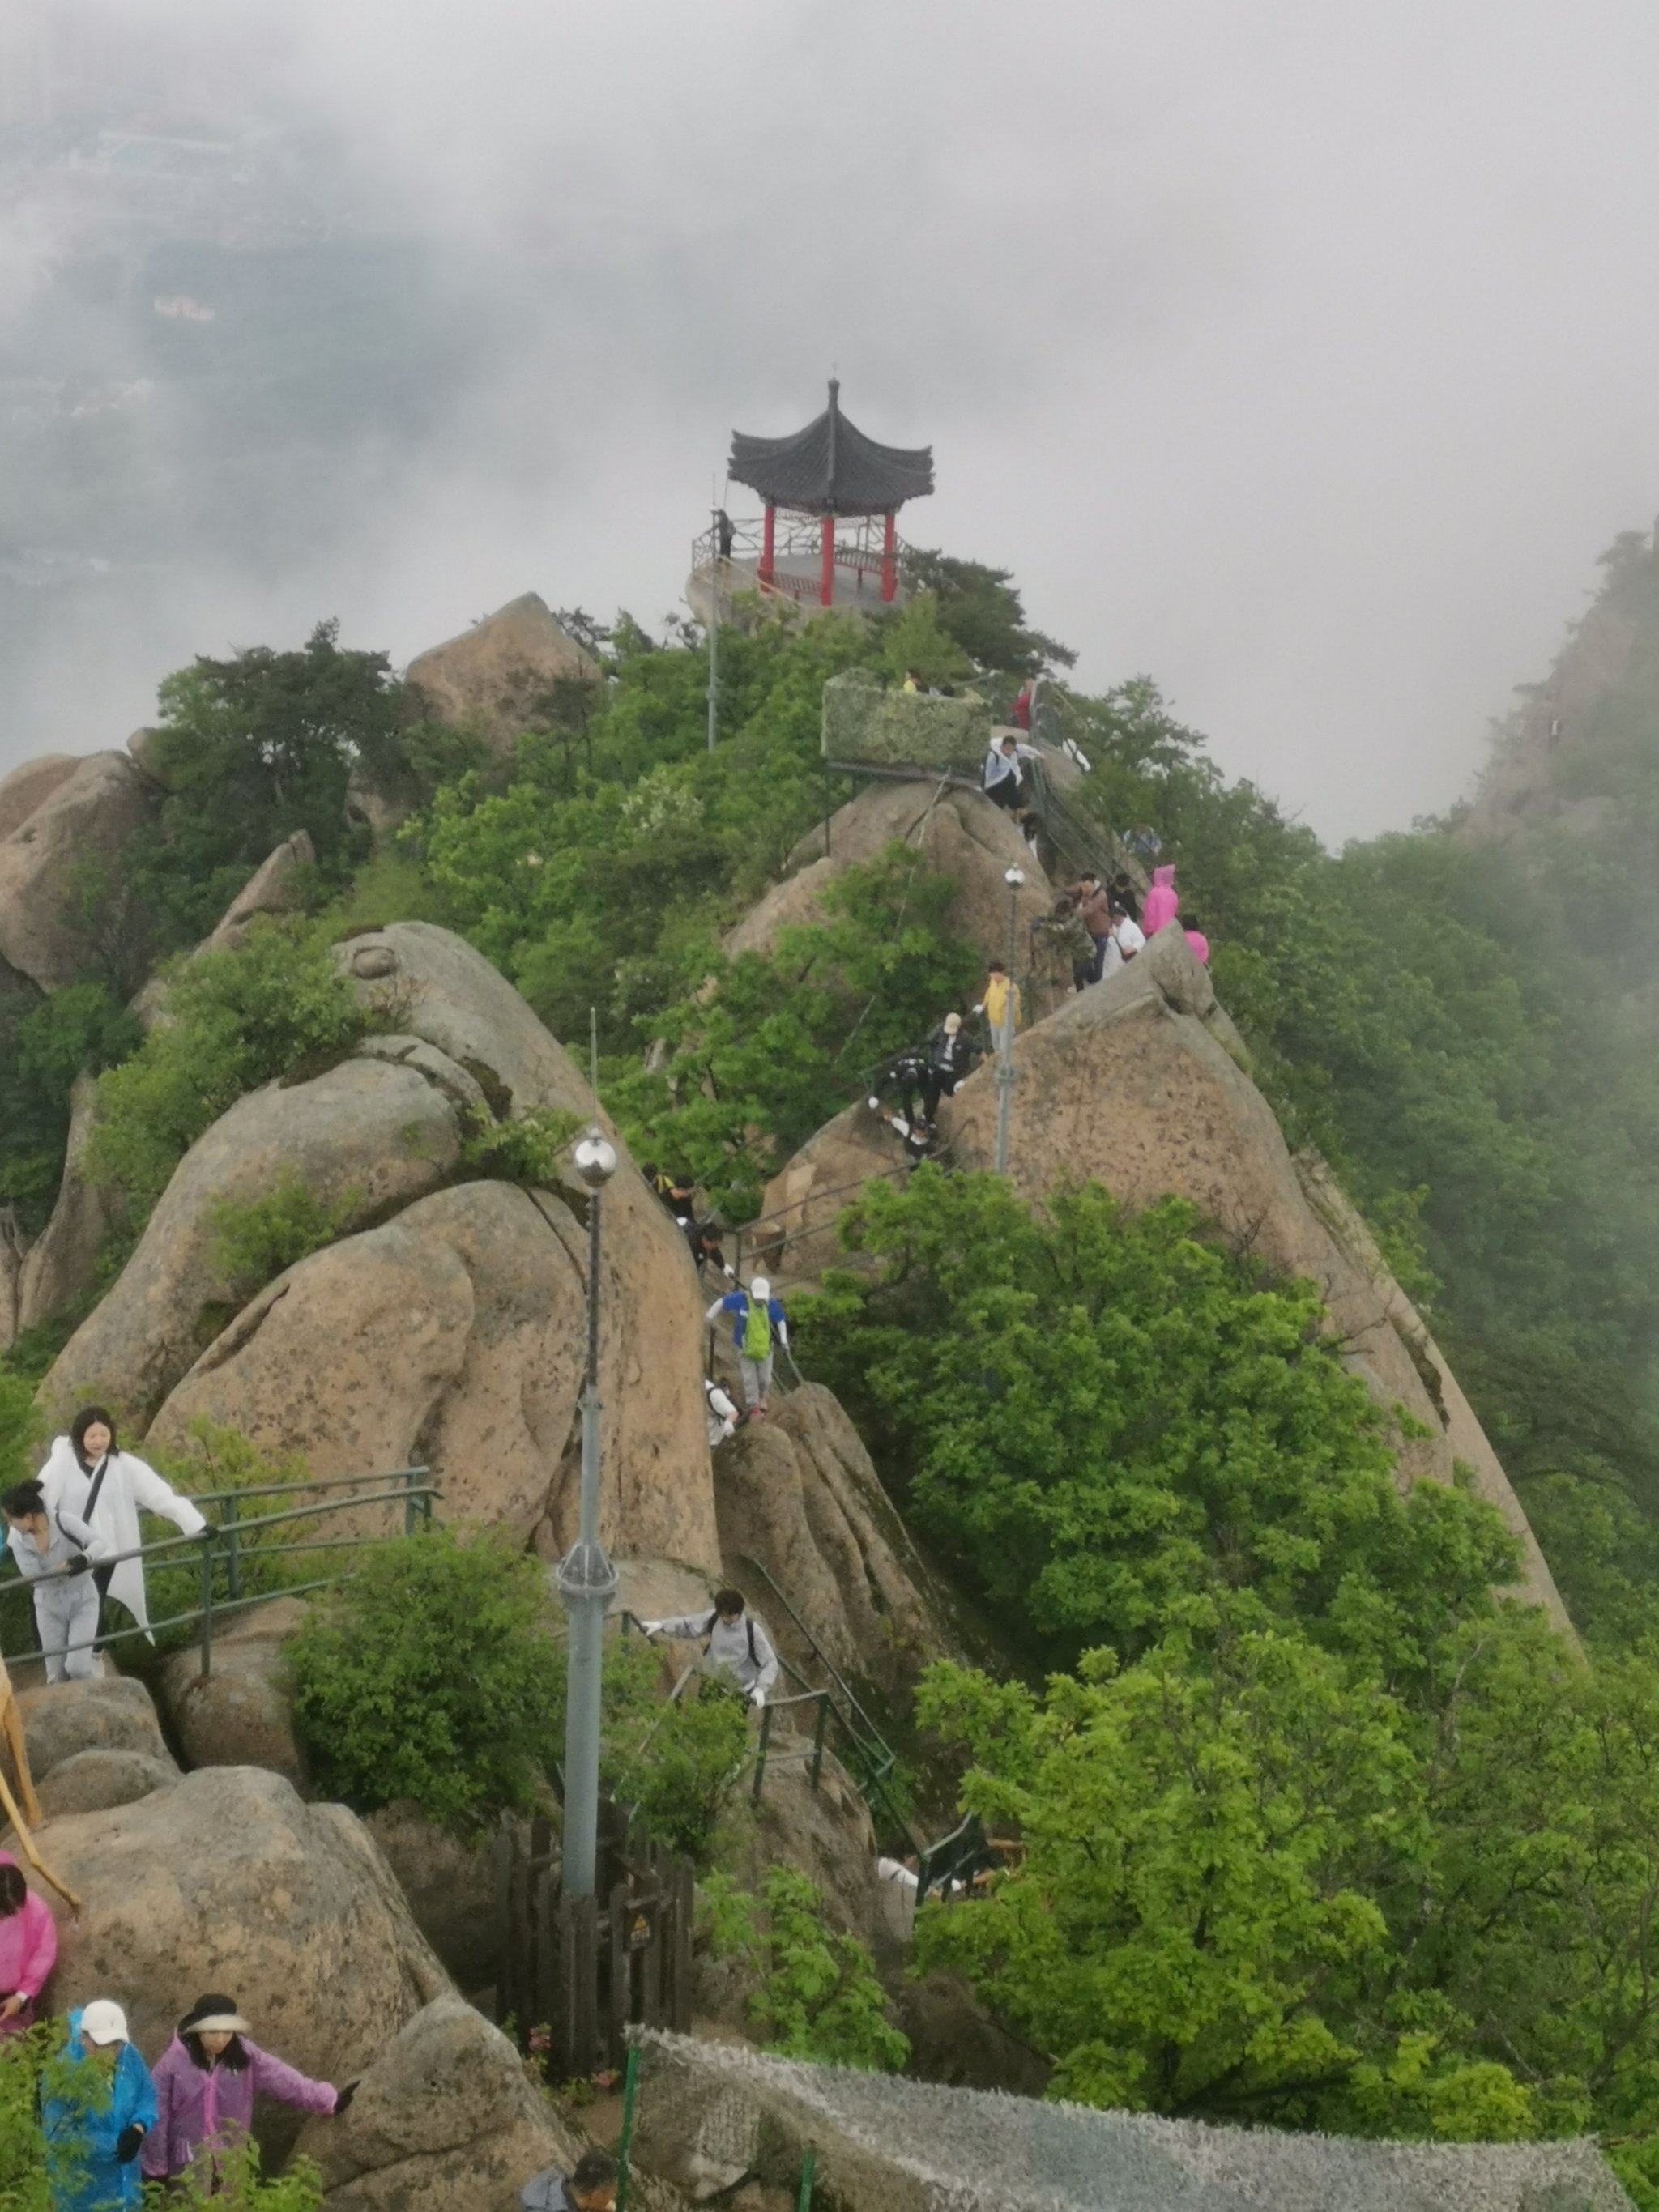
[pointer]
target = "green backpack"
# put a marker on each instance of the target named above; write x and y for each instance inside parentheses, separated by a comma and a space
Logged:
(758, 1333)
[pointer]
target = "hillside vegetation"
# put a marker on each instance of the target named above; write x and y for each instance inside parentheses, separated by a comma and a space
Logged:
(1318, 1832)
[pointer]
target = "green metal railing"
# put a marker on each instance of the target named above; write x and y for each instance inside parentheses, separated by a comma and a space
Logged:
(228, 1545)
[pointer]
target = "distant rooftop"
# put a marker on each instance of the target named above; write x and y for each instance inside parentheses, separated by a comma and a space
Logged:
(831, 468)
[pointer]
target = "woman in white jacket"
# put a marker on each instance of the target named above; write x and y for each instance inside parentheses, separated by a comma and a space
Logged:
(88, 1475)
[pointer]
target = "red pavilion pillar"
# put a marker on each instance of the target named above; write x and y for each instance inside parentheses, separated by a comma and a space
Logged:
(763, 574)
(827, 575)
(889, 556)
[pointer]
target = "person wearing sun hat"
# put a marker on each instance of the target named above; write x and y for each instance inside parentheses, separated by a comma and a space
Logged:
(206, 2081)
(94, 2129)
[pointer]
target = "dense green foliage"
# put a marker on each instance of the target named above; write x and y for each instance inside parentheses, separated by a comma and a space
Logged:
(675, 1765)
(814, 1996)
(1104, 1418)
(433, 1675)
(44, 1046)
(232, 1020)
(255, 1243)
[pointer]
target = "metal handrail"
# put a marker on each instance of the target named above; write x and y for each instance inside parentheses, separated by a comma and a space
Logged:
(224, 1544)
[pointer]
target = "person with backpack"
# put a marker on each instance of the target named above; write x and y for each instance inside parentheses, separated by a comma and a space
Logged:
(758, 1325)
(88, 1475)
(56, 1552)
(722, 1413)
(733, 1642)
(1064, 930)
(1096, 907)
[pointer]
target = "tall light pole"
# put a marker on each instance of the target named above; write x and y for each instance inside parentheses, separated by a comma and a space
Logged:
(587, 1581)
(715, 567)
(1015, 879)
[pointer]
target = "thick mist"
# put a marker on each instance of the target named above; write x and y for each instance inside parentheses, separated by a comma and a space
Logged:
(1298, 356)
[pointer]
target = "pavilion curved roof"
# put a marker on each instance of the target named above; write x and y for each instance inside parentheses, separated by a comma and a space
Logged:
(831, 468)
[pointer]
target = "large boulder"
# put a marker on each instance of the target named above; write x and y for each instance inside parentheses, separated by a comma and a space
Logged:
(112, 1712)
(228, 1880)
(455, 1337)
(240, 1712)
(497, 679)
(365, 1136)
(83, 820)
(446, 2120)
(450, 1883)
(794, 1238)
(798, 1494)
(958, 832)
(30, 785)
(94, 1781)
(1127, 1085)
(61, 1266)
(272, 889)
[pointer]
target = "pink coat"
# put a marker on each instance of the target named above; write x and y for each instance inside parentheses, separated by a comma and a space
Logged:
(29, 1945)
(1162, 900)
(1200, 946)
(193, 2104)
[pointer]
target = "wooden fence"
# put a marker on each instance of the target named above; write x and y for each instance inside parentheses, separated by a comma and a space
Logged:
(582, 1969)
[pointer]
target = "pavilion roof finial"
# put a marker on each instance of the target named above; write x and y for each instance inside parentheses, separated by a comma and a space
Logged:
(831, 468)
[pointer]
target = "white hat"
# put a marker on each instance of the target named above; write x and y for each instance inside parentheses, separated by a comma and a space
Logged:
(759, 1287)
(103, 2021)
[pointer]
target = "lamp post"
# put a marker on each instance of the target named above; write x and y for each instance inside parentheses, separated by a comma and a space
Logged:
(714, 568)
(587, 1581)
(1015, 879)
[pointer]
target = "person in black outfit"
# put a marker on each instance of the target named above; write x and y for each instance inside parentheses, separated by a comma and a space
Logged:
(948, 1057)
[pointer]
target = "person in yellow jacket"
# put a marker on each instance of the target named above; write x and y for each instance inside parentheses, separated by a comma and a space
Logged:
(1001, 998)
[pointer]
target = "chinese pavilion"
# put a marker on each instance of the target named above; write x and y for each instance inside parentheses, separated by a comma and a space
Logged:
(827, 470)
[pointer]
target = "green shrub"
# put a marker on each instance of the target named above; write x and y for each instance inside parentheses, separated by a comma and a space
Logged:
(43, 1047)
(432, 1675)
(232, 1020)
(816, 1995)
(528, 1150)
(253, 1244)
(215, 1459)
(677, 1765)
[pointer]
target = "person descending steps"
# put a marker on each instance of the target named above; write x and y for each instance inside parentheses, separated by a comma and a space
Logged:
(759, 1326)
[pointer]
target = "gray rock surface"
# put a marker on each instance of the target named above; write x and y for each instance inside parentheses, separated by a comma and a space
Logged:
(228, 1881)
(450, 1884)
(269, 890)
(379, 1135)
(94, 1781)
(29, 784)
(113, 1712)
(445, 2121)
(496, 678)
(86, 819)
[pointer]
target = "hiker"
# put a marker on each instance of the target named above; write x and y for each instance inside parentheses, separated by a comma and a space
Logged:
(1096, 907)
(1000, 1004)
(758, 1321)
(1063, 929)
(1195, 938)
(1002, 776)
(721, 1412)
(1146, 843)
(98, 2143)
(725, 532)
(1020, 712)
(206, 2081)
(1122, 893)
(918, 1139)
(88, 1475)
(590, 2186)
(733, 1642)
(950, 1056)
(1127, 937)
(28, 1947)
(56, 1553)
(910, 682)
(903, 1077)
(702, 1238)
(1162, 900)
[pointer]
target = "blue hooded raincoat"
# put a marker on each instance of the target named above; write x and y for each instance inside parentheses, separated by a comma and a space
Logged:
(87, 2175)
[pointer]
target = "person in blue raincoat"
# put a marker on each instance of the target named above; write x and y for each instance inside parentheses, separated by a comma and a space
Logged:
(94, 2138)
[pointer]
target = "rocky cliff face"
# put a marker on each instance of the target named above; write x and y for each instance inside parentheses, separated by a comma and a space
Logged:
(447, 1326)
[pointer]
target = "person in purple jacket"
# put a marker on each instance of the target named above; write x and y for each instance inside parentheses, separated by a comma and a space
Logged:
(206, 2081)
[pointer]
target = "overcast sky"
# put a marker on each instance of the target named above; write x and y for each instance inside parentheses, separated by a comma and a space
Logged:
(1302, 355)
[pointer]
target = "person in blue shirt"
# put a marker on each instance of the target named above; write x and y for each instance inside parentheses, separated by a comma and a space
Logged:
(93, 2133)
(759, 1325)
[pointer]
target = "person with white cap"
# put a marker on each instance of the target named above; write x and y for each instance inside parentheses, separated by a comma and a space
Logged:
(206, 2081)
(758, 1324)
(94, 2130)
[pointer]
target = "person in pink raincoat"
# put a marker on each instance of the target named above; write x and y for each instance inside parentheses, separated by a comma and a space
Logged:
(1162, 901)
(206, 2081)
(29, 1945)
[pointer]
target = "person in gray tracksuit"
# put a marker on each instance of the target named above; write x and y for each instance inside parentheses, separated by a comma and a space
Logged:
(54, 1551)
(734, 1643)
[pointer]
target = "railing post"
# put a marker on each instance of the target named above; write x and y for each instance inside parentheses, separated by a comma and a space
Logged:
(233, 1548)
(625, 2140)
(207, 1603)
(409, 1501)
(817, 1735)
(760, 1750)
